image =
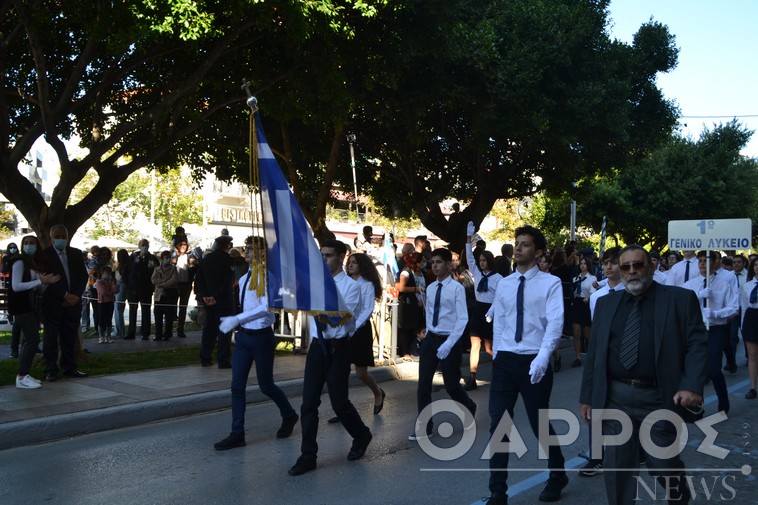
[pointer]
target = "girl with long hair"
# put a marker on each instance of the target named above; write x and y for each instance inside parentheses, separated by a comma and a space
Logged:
(410, 287)
(27, 283)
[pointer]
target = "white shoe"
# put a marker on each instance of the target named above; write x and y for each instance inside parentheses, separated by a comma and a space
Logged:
(102, 341)
(27, 382)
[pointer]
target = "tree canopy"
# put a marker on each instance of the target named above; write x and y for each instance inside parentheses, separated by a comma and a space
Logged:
(682, 179)
(477, 100)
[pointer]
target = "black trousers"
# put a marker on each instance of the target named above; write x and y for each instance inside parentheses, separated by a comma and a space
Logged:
(61, 332)
(328, 362)
(510, 377)
(145, 299)
(212, 334)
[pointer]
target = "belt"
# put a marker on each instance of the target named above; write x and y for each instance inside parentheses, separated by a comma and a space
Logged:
(638, 384)
(254, 332)
(436, 335)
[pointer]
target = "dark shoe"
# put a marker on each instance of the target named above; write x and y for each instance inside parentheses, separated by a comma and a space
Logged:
(359, 447)
(14, 354)
(206, 363)
(181, 334)
(222, 366)
(146, 338)
(751, 395)
(155, 339)
(230, 442)
(303, 465)
(378, 408)
(577, 363)
(75, 374)
(557, 364)
(553, 488)
(333, 420)
(129, 337)
(51, 377)
(496, 499)
(592, 468)
(288, 424)
(724, 406)
(731, 368)
(414, 437)
(470, 383)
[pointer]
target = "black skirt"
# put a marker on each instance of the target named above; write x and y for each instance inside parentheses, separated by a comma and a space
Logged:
(580, 312)
(362, 346)
(478, 324)
(750, 326)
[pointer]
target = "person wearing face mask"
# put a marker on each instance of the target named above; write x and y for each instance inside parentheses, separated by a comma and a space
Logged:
(139, 288)
(165, 279)
(5, 270)
(107, 289)
(27, 281)
(62, 305)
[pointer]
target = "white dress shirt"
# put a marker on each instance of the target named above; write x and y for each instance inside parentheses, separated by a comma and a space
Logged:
(741, 278)
(453, 314)
(486, 296)
(676, 274)
(255, 314)
(586, 288)
(543, 313)
(661, 278)
(728, 276)
(348, 288)
(602, 292)
(723, 302)
(366, 305)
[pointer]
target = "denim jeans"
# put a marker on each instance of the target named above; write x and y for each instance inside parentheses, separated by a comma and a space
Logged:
(255, 346)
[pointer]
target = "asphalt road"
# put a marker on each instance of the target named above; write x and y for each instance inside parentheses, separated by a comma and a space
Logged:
(173, 462)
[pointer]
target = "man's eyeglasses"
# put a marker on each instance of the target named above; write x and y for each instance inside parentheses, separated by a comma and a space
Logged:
(637, 265)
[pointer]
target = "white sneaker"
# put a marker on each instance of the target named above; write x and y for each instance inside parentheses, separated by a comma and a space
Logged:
(27, 382)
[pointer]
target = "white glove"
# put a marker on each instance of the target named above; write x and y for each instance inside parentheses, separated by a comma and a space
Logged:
(444, 349)
(488, 318)
(707, 313)
(704, 294)
(470, 229)
(537, 369)
(228, 324)
(490, 314)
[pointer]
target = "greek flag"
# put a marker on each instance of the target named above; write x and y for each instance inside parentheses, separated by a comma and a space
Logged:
(297, 276)
(389, 259)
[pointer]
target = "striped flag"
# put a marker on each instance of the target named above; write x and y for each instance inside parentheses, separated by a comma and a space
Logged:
(389, 259)
(297, 276)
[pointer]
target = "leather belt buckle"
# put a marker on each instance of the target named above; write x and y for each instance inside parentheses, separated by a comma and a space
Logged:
(639, 384)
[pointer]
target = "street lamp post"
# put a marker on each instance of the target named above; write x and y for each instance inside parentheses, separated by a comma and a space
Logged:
(351, 141)
(573, 212)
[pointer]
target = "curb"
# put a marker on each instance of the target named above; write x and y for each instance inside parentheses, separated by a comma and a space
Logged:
(57, 427)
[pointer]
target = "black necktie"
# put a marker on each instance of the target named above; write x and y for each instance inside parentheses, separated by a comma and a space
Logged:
(520, 309)
(754, 294)
(484, 283)
(437, 300)
(630, 341)
(705, 285)
(611, 290)
(687, 271)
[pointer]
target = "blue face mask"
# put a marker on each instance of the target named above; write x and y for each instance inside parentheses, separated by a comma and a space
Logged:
(60, 243)
(143, 249)
(12, 250)
(30, 249)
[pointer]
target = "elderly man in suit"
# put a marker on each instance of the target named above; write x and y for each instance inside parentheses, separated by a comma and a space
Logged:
(648, 351)
(62, 305)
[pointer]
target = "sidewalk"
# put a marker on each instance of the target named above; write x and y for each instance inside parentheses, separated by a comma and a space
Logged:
(71, 407)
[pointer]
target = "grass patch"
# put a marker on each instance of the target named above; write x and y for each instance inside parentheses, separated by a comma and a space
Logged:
(5, 336)
(120, 362)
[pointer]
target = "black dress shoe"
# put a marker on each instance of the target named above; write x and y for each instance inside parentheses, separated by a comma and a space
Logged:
(751, 395)
(359, 447)
(576, 363)
(51, 377)
(206, 363)
(724, 406)
(288, 424)
(303, 465)
(75, 374)
(378, 408)
(230, 442)
(181, 335)
(553, 488)
(333, 420)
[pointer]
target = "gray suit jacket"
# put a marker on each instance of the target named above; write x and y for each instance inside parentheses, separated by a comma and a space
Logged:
(681, 347)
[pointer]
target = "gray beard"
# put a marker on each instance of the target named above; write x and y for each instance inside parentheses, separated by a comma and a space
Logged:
(636, 288)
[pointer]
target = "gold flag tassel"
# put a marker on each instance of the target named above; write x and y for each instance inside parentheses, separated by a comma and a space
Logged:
(258, 266)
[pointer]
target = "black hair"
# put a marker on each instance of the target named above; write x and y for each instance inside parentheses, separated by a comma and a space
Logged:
(540, 243)
(443, 253)
(337, 245)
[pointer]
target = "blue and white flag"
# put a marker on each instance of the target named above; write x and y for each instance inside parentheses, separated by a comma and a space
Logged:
(297, 276)
(389, 259)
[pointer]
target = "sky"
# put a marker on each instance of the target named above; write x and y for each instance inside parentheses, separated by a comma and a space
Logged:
(717, 73)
